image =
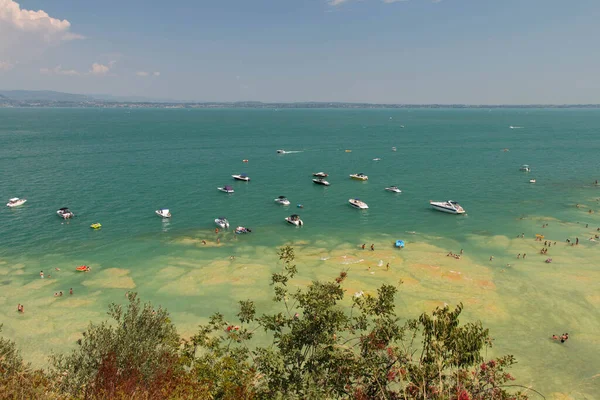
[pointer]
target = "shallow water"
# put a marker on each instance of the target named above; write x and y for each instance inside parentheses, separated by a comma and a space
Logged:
(116, 168)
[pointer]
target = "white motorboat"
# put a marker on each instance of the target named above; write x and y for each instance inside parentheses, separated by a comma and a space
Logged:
(222, 222)
(163, 212)
(320, 174)
(15, 202)
(226, 189)
(393, 189)
(241, 177)
(280, 151)
(360, 176)
(240, 229)
(532, 181)
(450, 206)
(525, 168)
(377, 159)
(65, 213)
(394, 149)
(321, 181)
(282, 200)
(356, 203)
(294, 219)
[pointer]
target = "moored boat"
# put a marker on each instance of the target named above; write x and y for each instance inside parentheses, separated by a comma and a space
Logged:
(240, 230)
(357, 203)
(294, 219)
(222, 222)
(360, 176)
(163, 212)
(65, 213)
(282, 200)
(393, 189)
(320, 174)
(450, 206)
(241, 177)
(525, 168)
(15, 202)
(226, 189)
(532, 181)
(321, 181)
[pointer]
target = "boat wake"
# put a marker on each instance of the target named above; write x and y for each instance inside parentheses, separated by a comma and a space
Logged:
(293, 151)
(515, 127)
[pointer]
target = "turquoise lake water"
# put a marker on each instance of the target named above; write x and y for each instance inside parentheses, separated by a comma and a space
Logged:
(117, 166)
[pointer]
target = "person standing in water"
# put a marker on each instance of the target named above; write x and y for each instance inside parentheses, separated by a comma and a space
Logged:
(42, 274)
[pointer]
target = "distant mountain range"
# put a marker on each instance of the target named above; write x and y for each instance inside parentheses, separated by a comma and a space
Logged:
(48, 98)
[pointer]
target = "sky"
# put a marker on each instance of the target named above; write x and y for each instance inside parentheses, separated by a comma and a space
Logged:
(375, 51)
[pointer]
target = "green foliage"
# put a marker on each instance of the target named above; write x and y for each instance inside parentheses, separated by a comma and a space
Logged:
(138, 348)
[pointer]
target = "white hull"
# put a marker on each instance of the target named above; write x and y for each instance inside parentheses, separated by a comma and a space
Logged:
(394, 190)
(223, 223)
(321, 182)
(296, 222)
(359, 177)
(17, 203)
(240, 178)
(225, 190)
(447, 207)
(282, 202)
(163, 214)
(320, 174)
(358, 204)
(65, 215)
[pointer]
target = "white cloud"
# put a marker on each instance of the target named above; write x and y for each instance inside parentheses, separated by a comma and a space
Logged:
(5, 66)
(58, 70)
(336, 2)
(13, 17)
(101, 69)
(146, 74)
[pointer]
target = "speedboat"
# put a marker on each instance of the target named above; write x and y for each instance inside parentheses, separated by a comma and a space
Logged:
(222, 222)
(356, 203)
(282, 200)
(360, 176)
(163, 212)
(97, 225)
(320, 174)
(294, 219)
(393, 189)
(240, 229)
(377, 159)
(532, 181)
(525, 168)
(65, 213)
(449, 206)
(15, 202)
(394, 149)
(226, 189)
(241, 177)
(321, 181)
(280, 151)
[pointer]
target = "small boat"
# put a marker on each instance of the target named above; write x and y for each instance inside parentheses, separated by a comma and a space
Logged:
(65, 213)
(348, 151)
(300, 205)
(321, 181)
(532, 181)
(163, 212)
(400, 243)
(240, 229)
(280, 151)
(82, 268)
(97, 225)
(222, 222)
(394, 149)
(377, 159)
(525, 168)
(360, 176)
(294, 219)
(282, 200)
(15, 202)
(241, 177)
(245, 161)
(393, 189)
(320, 174)
(450, 206)
(357, 203)
(226, 189)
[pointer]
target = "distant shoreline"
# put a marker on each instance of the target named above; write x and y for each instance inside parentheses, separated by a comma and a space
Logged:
(8, 103)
